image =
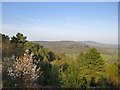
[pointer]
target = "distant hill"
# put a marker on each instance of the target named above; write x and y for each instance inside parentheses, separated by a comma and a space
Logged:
(64, 46)
(97, 44)
(72, 47)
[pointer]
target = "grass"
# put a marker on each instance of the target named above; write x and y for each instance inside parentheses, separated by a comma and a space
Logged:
(109, 58)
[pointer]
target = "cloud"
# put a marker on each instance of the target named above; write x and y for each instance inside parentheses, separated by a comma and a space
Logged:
(25, 18)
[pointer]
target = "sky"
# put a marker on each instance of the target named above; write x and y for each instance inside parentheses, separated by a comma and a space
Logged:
(57, 21)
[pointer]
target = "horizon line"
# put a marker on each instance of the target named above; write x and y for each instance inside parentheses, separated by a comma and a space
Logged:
(72, 41)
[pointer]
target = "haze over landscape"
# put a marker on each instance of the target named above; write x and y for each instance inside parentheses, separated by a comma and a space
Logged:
(62, 21)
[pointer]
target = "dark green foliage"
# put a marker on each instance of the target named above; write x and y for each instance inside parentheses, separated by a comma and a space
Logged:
(84, 84)
(69, 77)
(6, 46)
(5, 38)
(39, 53)
(11, 47)
(91, 60)
(119, 68)
(49, 76)
(92, 82)
(19, 38)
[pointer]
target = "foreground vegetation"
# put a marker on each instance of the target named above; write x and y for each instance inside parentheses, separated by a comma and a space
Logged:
(28, 64)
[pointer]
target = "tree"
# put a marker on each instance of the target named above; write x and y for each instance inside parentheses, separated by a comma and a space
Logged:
(69, 77)
(24, 72)
(85, 72)
(19, 38)
(91, 65)
(49, 76)
(5, 38)
(39, 52)
(7, 46)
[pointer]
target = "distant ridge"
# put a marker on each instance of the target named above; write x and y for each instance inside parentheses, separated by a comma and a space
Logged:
(97, 44)
(78, 46)
(89, 43)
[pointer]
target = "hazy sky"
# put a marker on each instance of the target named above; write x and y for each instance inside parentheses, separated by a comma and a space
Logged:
(81, 21)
